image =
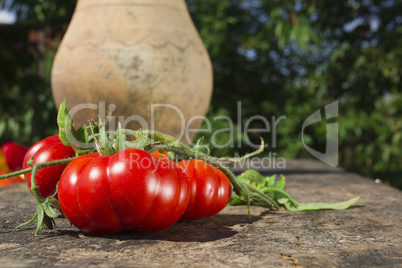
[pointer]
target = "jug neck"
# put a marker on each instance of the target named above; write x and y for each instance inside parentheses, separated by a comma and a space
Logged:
(175, 4)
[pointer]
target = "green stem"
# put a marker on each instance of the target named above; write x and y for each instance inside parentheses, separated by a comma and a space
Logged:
(39, 166)
(16, 173)
(238, 187)
(157, 136)
(34, 186)
(245, 192)
(26, 223)
(239, 159)
(270, 189)
(240, 190)
(44, 211)
(129, 132)
(262, 199)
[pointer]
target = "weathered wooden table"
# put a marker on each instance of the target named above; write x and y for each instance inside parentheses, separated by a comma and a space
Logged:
(367, 235)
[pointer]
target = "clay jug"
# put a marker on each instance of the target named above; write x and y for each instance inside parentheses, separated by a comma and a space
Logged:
(140, 61)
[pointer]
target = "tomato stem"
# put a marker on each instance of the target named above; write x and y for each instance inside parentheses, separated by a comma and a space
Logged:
(261, 199)
(239, 159)
(245, 192)
(157, 136)
(44, 211)
(240, 190)
(34, 186)
(39, 165)
(16, 173)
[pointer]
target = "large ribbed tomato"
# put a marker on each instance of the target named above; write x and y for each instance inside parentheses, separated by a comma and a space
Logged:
(46, 150)
(210, 189)
(129, 190)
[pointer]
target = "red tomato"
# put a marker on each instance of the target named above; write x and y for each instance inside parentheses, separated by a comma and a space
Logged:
(129, 190)
(210, 189)
(14, 154)
(9, 181)
(48, 149)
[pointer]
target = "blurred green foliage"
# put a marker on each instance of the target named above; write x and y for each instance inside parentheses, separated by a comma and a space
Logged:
(27, 49)
(292, 58)
(278, 58)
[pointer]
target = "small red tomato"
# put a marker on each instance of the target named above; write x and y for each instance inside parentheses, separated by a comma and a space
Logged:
(210, 189)
(129, 190)
(14, 154)
(9, 181)
(46, 150)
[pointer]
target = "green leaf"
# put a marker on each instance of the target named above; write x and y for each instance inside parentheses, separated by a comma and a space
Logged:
(320, 206)
(82, 134)
(49, 210)
(97, 145)
(236, 201)
(120, 141)
(41, 223)
(280, 184)
(67, 132)
(142, 141)
(278, 187)
(275, 189)
(64, 121)
(105, 145)
(251, 176)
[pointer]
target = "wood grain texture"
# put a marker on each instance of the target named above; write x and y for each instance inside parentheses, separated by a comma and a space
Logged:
(367, 235)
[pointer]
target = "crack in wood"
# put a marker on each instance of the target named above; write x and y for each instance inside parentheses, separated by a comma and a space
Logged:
(295, 261)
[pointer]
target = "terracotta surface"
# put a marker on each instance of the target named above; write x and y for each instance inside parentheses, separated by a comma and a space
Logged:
(130, 55)
(368, 235)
